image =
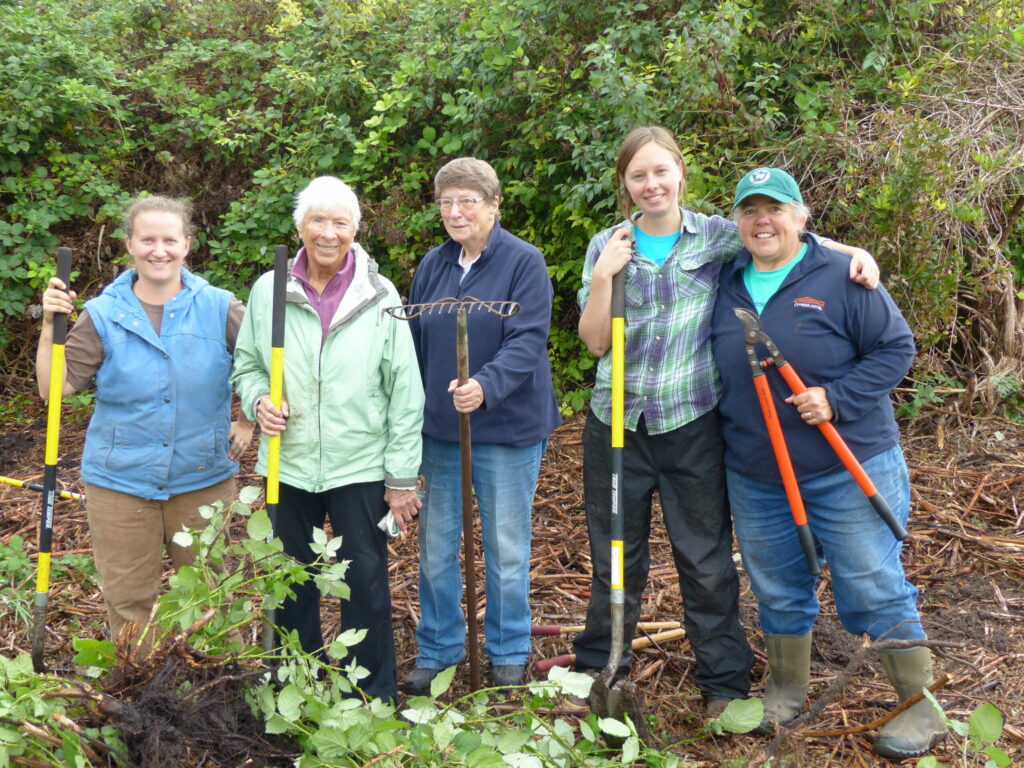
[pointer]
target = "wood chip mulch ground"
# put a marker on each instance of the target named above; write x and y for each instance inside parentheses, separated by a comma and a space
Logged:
(965, 553)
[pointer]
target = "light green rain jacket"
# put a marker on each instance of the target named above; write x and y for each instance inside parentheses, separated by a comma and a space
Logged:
(356, 404)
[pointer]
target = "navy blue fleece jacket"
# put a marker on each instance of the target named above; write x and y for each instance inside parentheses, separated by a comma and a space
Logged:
(509, 357)
(837, 335)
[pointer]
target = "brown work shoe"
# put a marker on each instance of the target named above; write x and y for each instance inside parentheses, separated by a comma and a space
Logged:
(714, 706)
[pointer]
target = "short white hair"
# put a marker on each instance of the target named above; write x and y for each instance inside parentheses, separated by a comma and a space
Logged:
(326, 193)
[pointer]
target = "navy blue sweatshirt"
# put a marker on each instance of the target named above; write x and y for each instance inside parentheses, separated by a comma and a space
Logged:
(509, 357)
(837, 335)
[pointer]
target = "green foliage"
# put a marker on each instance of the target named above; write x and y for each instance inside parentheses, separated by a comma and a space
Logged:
(17, 408)
(934, 390)
(1011, 394)
(77, 407)
(978, 736)
(28, 698)
(16, 574)
(237, 104)
(740, 716)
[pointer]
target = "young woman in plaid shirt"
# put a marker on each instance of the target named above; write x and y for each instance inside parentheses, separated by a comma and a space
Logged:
(673, 443)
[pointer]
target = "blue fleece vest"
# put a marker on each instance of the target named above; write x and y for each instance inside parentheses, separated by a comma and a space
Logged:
(163, 403)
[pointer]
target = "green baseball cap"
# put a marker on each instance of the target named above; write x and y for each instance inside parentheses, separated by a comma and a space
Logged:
(771, 182)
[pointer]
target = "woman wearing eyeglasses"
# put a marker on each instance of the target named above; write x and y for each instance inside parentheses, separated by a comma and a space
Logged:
(513, 409)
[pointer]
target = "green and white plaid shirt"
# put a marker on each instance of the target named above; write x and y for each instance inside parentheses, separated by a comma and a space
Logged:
(670, 373)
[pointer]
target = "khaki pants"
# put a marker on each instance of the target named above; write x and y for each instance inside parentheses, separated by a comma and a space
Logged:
(128, 539)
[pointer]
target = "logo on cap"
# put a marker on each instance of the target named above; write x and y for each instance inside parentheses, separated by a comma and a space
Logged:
(760, 176)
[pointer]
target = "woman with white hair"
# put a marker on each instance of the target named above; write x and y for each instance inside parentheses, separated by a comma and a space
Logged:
(349, 423)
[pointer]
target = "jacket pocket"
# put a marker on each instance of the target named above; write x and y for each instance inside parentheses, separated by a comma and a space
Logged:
(376, 410)
(121, 454)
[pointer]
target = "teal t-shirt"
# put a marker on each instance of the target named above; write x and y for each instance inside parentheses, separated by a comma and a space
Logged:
(655, 247)
(762, 285)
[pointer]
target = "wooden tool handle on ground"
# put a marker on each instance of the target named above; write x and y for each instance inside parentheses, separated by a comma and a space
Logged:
(545, 630)
(641, 642)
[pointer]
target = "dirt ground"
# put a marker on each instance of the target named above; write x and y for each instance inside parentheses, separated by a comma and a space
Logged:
(965, 553)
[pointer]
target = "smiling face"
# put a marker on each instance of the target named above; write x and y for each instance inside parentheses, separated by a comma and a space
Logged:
(770, 230)
(158, 247)
(327, 236)
(471, 227)
(653, 179)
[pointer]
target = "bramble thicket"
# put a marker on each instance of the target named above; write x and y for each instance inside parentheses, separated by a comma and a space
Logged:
(902, 121)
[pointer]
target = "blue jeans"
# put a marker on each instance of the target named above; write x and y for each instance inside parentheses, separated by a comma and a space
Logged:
(504, 480)
(871, 592)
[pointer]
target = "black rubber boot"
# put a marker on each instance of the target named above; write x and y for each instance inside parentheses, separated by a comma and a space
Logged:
(912, 733)
(789, 662)
(417, 682)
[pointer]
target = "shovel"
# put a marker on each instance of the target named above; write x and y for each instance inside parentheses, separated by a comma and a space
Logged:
(56, 394)
(609, 698)
(276, 395)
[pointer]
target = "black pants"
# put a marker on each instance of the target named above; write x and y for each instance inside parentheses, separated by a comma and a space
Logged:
(354, 511)
(685, 467)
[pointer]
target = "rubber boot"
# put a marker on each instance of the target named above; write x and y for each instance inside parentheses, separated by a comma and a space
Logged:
(789, 662)
(914, 732)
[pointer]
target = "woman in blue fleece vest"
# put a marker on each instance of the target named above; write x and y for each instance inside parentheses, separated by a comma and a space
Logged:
(851, 347)
(512, 403)
(160, 443)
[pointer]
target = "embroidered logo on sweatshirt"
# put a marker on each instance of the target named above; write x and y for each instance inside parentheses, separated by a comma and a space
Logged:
(806, 302)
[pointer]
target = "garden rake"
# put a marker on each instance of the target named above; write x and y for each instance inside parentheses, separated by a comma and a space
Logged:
(462, 307)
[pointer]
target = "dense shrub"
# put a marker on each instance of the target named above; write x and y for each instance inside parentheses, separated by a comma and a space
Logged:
(875, 106)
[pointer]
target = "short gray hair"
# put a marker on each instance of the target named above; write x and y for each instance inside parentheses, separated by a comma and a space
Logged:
(326, 193)
(469, 173)
(800, 210)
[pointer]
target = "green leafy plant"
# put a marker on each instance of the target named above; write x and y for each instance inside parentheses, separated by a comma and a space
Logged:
(16, 574)
(978, 735)
(1011, 393)
(936, 389)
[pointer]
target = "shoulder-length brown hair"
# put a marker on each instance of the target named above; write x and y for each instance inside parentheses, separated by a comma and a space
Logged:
(630, 145)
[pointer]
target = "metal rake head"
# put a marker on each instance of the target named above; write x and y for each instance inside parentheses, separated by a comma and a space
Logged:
(451, 304)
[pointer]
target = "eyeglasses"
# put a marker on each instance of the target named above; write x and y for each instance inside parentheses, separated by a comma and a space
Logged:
(464, 203)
